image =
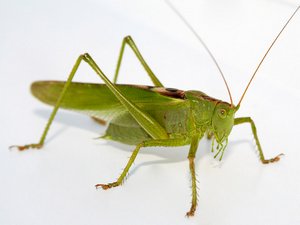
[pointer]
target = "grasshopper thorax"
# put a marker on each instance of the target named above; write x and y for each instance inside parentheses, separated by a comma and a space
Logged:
(212, 116)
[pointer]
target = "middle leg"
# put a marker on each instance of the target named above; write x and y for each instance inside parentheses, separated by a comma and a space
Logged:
(191, 157)
(150, 143)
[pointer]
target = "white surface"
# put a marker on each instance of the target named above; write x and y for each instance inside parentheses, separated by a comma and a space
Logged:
(40, 40)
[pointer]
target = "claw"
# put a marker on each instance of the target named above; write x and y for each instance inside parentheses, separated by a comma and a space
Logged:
(103, 186)
(106, 186)
(191, 212)
(24, 147)
(272, 160)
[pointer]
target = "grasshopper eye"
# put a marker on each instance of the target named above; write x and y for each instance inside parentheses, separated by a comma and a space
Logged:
(222, 113)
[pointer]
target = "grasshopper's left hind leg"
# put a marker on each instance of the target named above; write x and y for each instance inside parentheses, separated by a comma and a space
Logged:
(54, 111)
(241, 120)
(151, 126)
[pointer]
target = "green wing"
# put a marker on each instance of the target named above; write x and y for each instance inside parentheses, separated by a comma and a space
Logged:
(166, 105)
(98, 101)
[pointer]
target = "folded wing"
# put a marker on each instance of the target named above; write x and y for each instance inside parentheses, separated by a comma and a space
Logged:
(98, 101)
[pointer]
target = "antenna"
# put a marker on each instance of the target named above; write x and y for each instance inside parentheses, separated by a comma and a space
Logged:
(263, 58)
(202, 42)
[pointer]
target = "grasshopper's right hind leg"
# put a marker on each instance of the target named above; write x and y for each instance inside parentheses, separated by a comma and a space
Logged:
(129, 41)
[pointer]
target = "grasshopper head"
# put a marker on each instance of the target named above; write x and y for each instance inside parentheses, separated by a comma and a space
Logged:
(222, 121)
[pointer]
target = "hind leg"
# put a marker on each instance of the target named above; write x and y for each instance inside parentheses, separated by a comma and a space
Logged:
(129, 41)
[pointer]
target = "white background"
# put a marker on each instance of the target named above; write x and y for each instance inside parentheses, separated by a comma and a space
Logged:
(40, 40)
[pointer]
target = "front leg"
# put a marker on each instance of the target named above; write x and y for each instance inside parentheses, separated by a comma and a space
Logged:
(241, 120)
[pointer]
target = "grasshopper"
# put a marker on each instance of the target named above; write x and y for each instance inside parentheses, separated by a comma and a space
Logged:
(147, 116)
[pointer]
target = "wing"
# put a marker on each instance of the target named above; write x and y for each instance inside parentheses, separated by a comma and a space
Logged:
(98, 101)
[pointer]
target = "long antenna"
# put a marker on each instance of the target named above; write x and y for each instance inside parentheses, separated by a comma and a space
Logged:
(263, 58)
(202, 42)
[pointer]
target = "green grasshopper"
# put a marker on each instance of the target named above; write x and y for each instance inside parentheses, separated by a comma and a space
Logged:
(147, 116)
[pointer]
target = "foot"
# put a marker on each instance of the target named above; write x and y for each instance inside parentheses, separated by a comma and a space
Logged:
(107, 186)
(24, 147)
(191, 212)
(272, 160)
